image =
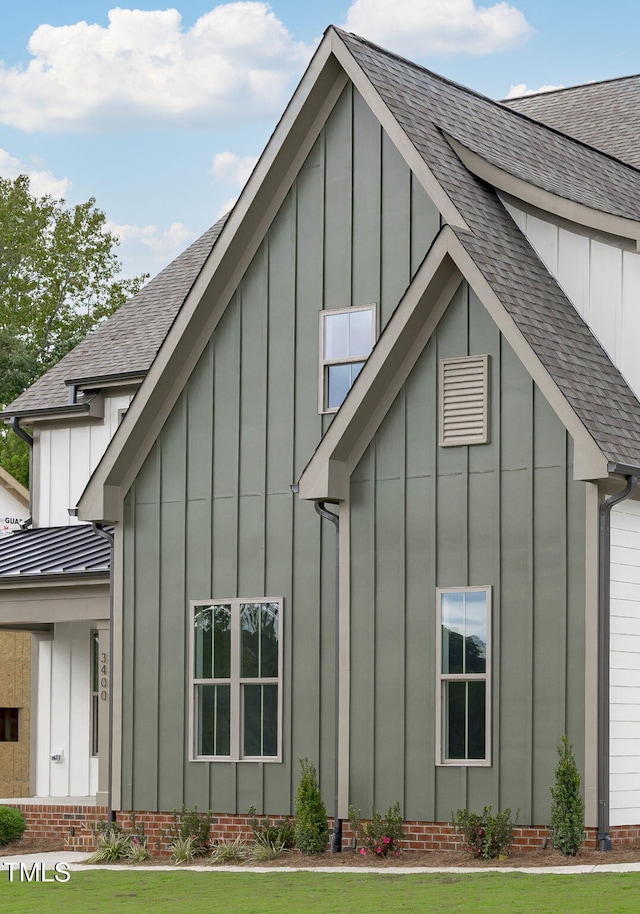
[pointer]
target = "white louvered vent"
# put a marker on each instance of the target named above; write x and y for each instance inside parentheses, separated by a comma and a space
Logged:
(464, 400)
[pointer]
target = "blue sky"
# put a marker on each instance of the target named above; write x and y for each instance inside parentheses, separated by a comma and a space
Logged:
(160, 113)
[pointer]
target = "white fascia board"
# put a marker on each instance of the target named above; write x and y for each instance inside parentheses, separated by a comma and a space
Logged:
(544, 200)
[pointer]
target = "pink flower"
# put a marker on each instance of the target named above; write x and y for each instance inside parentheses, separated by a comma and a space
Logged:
(378, 850)
(363, 851)
(397, 853)
(386, 840)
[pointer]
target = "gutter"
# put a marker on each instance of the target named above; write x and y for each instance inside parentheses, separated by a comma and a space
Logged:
(105, 534)
(336, 836)
(632, 475)
(21, 433)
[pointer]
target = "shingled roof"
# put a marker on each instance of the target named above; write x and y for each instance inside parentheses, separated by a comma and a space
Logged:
(427, 107)
(605, 114)
(129, 341)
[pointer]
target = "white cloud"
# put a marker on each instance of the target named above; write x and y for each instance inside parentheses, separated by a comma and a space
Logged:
(41, 181)
(237, 62)
(420, 27)
(148, 248)
(521, 89)
(235, 169)
(226, 207)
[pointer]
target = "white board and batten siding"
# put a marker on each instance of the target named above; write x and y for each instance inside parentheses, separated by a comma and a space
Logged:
(68, 456)
(601, 279)
(625, 664)
(64, 714)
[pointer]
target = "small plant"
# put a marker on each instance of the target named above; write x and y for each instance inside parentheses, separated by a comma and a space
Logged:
(275, 832)
(12, 825)
(266, 849)
(189, 823)
(113, 844)
(567, 806)
(183, 850)
(235, 851)
(486, 834)
(382, 835)
(311, 829)
(137, 852)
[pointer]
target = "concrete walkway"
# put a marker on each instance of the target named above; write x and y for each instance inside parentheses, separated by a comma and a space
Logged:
(76, 861)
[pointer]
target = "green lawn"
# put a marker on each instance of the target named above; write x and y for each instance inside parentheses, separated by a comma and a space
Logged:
(323, 893)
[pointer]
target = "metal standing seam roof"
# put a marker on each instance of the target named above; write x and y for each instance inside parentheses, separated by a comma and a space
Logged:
(425, 105)
(606, 114)
(75, 549)
(129, 340)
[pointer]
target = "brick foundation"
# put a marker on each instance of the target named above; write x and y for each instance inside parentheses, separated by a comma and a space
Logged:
(75, 824)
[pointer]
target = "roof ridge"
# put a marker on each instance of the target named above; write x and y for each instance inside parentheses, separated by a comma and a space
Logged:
(594, 82)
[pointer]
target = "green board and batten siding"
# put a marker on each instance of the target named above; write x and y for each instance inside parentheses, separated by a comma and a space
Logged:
(506, 514)
(211, 514)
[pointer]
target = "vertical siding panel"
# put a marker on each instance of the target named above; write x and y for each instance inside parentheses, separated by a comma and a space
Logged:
(367, 137)
(425, 223)
(338, 191)
(515, 689)
(129, 673)
(396, 223)
(575, 618)
(145, 634)
(172, 673)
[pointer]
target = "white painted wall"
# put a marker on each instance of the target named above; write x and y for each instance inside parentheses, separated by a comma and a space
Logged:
(64, 714)
(68, 455)
(601, 279)
(10, 510)
(625, 664)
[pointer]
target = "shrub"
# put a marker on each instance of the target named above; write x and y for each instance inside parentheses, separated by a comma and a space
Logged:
(380, 836)
(311, 829)
(486, 834)
(234, 851)
(12, 824)
(183, 849)
(189, 823)
(567, 806)
(274, 832)
(113, 844)
(265, 849)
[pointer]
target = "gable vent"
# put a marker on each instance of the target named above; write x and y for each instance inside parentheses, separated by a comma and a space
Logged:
(464, 400)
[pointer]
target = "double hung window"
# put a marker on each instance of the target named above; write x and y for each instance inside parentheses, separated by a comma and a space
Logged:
(464, 675)
(346, 339)
(236, 676)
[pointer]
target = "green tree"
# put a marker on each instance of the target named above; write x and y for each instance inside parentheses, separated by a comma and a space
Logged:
(59, 278)
(567, 806)
(311, 829)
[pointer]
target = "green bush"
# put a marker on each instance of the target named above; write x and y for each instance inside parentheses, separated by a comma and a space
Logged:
(311, 829)
(189, 823)
(567, 806)
(380, 836)
(486, 834)
(12, 825)
(272, 832)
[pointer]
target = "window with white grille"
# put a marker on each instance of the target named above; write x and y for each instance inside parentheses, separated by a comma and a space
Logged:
(464, 400)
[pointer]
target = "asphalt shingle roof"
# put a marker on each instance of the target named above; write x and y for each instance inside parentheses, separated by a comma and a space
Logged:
(75, 549)
(605, 115)
(130, 339)
(425, 105)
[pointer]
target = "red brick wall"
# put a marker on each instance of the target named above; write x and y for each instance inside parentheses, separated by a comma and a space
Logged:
(74, 824)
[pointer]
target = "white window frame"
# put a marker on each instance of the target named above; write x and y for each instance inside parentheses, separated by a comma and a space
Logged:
(235, 680)
(443, 678)
(324, 364)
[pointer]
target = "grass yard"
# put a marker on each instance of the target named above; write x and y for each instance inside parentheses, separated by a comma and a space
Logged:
(111, 892)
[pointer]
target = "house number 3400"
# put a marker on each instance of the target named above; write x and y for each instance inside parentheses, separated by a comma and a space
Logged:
(104, 682)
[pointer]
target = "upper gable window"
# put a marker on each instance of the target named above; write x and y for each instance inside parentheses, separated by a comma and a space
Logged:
(346, 339)
(464, 400)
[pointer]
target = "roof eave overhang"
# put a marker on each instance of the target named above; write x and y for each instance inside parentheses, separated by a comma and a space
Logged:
(93, 408)
(52, 579)
(577, 213)
(326, 477)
